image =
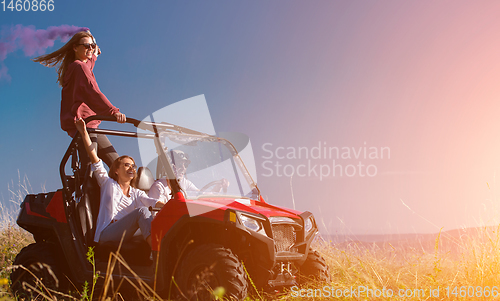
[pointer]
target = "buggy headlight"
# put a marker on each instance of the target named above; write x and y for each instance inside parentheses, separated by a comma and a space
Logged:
(308, 224)
(251, 223)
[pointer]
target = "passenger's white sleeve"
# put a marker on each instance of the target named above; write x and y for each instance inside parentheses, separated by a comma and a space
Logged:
(188, 185)
(160, 188)
(156, 190)
(148, 201)
(100, 172)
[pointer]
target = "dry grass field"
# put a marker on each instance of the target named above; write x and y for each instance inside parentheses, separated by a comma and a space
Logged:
(363, 271)
(453, 265)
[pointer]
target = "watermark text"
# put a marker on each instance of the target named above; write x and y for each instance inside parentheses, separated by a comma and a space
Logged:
(322, 161)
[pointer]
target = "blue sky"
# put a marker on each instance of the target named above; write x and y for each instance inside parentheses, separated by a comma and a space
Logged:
(418, 78)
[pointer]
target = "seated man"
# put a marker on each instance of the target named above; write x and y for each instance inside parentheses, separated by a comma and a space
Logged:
(161, 187)
(180, 160)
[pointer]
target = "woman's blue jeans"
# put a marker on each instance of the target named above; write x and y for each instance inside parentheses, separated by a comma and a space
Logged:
(140, 218)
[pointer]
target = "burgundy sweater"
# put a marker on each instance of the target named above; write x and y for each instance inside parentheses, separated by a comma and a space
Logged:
(81, 96)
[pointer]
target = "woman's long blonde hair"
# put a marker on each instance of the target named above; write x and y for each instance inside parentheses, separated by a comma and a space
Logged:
(63, 56)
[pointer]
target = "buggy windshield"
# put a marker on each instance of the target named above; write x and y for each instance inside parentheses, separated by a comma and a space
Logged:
(206, 166)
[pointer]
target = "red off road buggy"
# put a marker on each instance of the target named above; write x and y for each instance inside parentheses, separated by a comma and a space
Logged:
(216, 236)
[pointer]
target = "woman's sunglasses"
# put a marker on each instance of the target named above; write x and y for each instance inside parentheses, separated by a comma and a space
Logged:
(88, 45)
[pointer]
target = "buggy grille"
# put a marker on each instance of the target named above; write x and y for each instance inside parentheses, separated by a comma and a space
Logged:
(284, 237)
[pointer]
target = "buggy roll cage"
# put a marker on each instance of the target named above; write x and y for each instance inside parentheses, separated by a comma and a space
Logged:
(152, 127)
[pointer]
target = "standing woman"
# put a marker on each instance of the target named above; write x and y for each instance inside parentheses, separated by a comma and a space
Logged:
(81, 96)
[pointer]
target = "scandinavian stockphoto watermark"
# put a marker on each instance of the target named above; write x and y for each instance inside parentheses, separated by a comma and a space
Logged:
(365, 292)
(322, 160)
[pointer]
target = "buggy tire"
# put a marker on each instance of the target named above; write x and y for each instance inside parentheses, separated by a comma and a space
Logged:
(40, 267)
(209, 266)
(314, 268)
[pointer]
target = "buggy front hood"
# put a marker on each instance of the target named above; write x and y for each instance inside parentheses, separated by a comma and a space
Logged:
(214, 207)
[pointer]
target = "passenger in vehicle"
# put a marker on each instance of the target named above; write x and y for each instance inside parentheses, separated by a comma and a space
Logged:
(80, 95)
(161, 187)
(123, 208)
(180, 160)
